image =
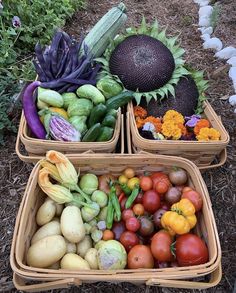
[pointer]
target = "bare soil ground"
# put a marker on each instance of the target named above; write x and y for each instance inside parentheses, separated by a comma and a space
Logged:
(181, 17)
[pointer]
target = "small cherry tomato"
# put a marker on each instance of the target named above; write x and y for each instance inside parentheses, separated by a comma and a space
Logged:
(145, 183)
(129, 239)
(138, 209)
(151, 201)
(133, 182)
(126, 214)
(132, 224)
(122, 179)
(139, 198)
(107, 235)
(161, 187)
(122, 203)
(129, 173)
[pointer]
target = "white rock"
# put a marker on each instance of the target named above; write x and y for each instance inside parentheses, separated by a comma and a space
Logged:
(205, 11)
(204, 21)
(234, 85)
(226, 53)
(232, 61)
(213, 43)
(232, 100)
(205, 37)
(235, 110)
(232, 73)
(206, 30)
(202, 2)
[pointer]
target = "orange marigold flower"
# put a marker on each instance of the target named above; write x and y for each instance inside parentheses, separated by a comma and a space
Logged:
(171, 130)
(174, 116)
(155, 121)
(200, 124)
(184, 130)
(140, 112)
(139, 122)
(207, 134)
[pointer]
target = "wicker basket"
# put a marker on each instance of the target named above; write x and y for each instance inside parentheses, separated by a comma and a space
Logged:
(32, 150)
(201, 153)
(100, 164)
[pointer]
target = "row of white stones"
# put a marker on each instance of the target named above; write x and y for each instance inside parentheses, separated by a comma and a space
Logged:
(227, 53)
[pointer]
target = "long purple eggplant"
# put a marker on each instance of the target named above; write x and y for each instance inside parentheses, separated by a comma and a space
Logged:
(30, 111)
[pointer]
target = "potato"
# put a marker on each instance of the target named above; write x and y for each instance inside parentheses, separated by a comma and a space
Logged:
(72, 225)
(91, 258)
(55, 266)
(46, 251)
(51, 228)
(70, 247)
(84, 245)
(72, 261)
(46, 212)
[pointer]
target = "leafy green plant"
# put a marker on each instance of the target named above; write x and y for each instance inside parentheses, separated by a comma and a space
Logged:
(215, 16)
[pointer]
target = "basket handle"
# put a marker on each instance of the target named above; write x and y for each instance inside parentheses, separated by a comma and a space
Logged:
(128, 132)
(20, 284)
(214, 280)
(223, 157)
(122, 147)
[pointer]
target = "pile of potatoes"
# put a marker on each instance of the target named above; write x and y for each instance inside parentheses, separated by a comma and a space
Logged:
(61, 240)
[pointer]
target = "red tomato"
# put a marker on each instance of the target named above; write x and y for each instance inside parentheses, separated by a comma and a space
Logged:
(161, 187)
(195, 198)
(139, 198)
(140, 257)
(161, 246)
(126, 214)
(129, 239)
(132, 224)
(145, 183)
(138, 209)
(122, 203)
(191, 250)
(151, 201)
(160, 177)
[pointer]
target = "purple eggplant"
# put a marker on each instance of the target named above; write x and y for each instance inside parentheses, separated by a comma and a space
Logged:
(30, 111)
(62, 130)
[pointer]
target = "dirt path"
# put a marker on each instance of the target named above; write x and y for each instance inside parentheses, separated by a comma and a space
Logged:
(181, 16)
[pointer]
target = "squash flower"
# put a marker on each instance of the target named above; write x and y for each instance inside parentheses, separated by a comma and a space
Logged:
(52, 169)
(56, 192)
(65, 169)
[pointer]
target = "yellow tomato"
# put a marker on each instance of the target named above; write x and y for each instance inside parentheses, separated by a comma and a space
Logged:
(60, 111)
(122, 179)
(133, 182)
(129, 173)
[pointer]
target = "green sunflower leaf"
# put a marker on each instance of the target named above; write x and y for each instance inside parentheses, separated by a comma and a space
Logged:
(154, 30)
(138, 97)
(143, 28)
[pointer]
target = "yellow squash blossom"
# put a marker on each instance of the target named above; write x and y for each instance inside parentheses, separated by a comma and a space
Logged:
(58, 193)
(65, 169)
(52, 169)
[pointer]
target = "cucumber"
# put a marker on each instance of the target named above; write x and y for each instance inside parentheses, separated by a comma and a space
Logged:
(105, 133)
(93, 133)
(109, 121)
(97, 114)
(112, 112)
(119, 100)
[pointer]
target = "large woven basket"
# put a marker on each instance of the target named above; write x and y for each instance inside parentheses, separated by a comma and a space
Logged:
(201, 153)
(31, 150)
(115, 164)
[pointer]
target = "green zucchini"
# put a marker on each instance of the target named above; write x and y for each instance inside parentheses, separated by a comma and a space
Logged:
(93, 133)
(112, 112)
(109, 121)
(119, 100)
(105, 30)
(97, 114)
(105, 133)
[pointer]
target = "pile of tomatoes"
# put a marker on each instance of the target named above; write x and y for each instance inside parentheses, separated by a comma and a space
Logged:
(141, 231)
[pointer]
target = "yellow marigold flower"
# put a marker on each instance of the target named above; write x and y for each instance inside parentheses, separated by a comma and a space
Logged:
(65, 169)
(58, 193)
(174, 116)
(207, 134)
(140, 112)
(171, 130)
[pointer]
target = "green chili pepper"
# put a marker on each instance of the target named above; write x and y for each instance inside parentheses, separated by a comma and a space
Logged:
(115, 203)
(110, 214)
(125, 188)
(132, 197)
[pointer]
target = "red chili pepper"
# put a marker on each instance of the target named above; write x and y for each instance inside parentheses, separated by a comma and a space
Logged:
(121, 196)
